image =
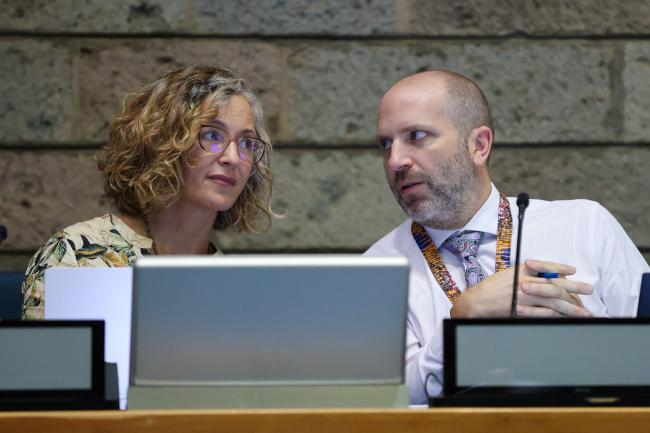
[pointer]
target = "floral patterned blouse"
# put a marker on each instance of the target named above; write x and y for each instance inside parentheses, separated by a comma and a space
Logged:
(102, 241)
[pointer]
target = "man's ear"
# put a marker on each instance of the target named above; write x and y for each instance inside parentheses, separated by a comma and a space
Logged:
(480, 145)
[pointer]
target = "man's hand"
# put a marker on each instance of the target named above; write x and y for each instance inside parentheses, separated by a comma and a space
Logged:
(537, 297)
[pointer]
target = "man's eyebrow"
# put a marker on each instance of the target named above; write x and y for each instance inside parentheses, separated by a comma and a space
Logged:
(415, 127)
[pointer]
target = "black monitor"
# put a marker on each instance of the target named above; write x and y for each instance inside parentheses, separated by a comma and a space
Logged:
(11, 299)
(51, 365)
(643, 309)
(546, 362)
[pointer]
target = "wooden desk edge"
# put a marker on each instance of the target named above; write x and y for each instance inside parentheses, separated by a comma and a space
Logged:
(443, 420)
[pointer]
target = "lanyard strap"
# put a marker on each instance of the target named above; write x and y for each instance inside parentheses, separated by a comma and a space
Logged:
(437, 265)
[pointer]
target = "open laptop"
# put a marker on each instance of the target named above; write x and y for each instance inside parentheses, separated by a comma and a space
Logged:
(96, 294)
(268, 331)
(546, 362)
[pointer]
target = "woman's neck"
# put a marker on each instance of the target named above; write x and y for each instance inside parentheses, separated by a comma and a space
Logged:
(182, 230)
(177, 229)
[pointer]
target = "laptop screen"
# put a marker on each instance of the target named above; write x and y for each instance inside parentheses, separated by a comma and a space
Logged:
(243, 320)
(536, 354)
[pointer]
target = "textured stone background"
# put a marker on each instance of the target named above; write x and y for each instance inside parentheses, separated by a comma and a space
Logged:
(569, 82)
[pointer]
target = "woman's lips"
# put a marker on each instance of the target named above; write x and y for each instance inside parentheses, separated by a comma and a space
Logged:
(221, 179)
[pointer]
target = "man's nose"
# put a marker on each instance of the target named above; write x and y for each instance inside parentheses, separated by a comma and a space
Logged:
(400, 157)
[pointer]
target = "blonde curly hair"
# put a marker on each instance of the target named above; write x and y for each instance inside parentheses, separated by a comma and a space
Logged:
(154, 135)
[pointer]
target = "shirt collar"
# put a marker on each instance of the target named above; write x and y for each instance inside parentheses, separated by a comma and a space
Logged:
(485, 220)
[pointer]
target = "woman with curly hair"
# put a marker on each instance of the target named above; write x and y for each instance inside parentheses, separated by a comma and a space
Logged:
(188, 154)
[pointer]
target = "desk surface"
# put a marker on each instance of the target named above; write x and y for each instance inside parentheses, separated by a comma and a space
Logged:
(466, 420)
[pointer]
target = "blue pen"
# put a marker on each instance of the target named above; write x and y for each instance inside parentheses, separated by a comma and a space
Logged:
(548, 274)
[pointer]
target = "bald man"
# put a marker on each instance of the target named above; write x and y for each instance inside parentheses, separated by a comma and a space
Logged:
(435, 131)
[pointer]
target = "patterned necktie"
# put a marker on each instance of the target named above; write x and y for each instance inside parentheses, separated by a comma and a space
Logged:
(465, 244)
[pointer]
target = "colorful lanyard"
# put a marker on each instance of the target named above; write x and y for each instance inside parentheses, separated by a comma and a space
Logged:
(437, 265)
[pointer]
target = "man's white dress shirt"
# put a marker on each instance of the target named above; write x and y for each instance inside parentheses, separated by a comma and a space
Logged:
(580, 233)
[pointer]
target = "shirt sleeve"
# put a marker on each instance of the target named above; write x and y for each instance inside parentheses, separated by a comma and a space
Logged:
(55, 253)
(423, 365)
(620, 265)
(423, 357)
(428, 308)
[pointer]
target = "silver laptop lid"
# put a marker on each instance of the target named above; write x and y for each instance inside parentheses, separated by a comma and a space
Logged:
(233, 320)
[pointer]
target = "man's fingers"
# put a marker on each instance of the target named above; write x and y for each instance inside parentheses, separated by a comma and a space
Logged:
(568, 305)
(556, 287)
(543, 266)
(576, 287)
(530, 311)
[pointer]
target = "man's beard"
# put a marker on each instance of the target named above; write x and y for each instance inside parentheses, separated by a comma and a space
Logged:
(451, 193)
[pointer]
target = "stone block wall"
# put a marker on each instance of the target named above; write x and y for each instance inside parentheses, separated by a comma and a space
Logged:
(568, 80)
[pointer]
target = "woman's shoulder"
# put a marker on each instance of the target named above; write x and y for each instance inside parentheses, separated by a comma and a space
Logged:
(106, 238)
(97, 242)
(96, 229)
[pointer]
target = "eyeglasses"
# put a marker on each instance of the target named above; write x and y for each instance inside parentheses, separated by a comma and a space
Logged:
(216, 140)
